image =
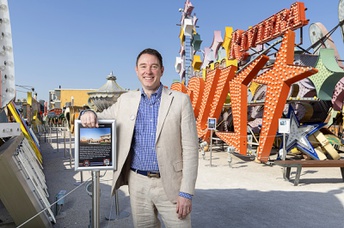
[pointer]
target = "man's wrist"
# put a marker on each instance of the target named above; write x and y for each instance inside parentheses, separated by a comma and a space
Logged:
(185, 195)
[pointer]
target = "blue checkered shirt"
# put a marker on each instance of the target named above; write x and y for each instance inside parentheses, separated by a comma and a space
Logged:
(143, 144)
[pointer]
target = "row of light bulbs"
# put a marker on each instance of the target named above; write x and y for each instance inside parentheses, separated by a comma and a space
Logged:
(7, 89)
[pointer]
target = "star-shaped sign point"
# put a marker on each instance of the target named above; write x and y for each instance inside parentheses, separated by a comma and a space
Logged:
(298, 136)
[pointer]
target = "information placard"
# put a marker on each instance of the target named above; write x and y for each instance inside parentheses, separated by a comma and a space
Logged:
(283, 125)
(95, 148)
(212, 123)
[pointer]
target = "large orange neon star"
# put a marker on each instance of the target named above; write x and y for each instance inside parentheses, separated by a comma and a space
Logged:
(195, 91)
(214, 97)
(278, 81)
(238, 91)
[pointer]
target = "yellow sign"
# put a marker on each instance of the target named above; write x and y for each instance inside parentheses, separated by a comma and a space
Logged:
(25, 130)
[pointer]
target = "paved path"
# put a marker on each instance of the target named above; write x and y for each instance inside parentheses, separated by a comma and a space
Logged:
(247, 194)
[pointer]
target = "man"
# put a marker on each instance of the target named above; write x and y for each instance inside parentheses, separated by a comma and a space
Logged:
(157, 147)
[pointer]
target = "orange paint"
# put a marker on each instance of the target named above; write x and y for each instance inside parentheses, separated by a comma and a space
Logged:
(278, 81)
(238, 90)
(195, 91)
(215, 100)
(179, 87)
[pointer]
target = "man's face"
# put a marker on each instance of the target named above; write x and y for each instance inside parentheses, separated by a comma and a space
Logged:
(149, 71)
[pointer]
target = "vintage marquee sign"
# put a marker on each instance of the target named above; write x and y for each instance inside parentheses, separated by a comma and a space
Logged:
(208, 96)
(267, 30)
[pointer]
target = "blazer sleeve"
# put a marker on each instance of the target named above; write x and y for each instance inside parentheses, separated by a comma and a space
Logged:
(189, 142)
(110, 112)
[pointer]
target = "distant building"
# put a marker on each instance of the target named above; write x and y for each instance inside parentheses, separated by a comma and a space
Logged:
(105, 138)
(99, 99)
(60, 98)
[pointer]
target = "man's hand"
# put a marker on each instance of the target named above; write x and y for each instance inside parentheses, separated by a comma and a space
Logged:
(184, 207)
(89, 119)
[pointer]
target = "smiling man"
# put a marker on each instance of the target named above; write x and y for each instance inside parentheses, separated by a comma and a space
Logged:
(157, 147)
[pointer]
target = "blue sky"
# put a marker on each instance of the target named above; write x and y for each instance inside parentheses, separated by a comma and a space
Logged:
(77, 43)
(94, 133)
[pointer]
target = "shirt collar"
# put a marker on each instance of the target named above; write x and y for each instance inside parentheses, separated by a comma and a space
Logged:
(156, 94)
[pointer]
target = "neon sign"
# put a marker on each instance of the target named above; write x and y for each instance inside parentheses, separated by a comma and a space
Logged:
(208, 96)
(267, 30)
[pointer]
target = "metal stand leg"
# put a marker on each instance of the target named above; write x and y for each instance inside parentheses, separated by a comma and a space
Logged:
(118, 215)
(81, 179)
(342, 171)
(283, 158)
(211, 147)
(70, 149)
(57, 139)
(298, 174)
(287, 173)
(95, 199)
(64, 143)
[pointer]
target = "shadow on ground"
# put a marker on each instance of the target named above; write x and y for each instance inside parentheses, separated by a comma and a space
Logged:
(244, 208)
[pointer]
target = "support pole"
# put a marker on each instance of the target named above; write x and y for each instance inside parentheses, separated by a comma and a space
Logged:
(211, 147)
(57, 139)
(70, 149)
(284, 156)
(118, 215)
(64, 142)
(95, 199)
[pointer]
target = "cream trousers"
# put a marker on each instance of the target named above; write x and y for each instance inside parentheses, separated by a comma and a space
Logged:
(149, 201)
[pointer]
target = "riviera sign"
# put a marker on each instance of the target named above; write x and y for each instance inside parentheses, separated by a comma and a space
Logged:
(267, 30)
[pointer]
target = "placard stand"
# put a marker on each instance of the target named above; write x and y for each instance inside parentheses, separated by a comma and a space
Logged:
(95, 150)
(284, 128)
(211, 147)
(284, 155)
(211, 127)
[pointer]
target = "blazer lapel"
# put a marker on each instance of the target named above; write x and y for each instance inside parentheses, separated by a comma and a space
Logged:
(134, 105)
(165, 104)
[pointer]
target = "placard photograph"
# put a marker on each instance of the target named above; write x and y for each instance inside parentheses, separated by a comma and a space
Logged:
(95, 148)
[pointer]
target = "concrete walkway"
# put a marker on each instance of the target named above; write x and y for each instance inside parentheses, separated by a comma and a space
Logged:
(245, 194)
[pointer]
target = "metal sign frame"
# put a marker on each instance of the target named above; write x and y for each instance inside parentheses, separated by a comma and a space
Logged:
(212, 123)
(284, 125)
(95, 148)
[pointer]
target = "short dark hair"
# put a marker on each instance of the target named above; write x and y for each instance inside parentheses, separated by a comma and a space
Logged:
(150, 51)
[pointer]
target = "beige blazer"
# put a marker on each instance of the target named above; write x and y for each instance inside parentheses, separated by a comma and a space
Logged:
(176, 140)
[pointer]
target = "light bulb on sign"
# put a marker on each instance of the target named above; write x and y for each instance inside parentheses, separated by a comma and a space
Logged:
(5, 35)
(8, 63)
(4, 21)
(7, 48)
(3, 7)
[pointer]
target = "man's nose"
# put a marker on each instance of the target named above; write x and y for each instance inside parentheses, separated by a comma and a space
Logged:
(149, 70)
